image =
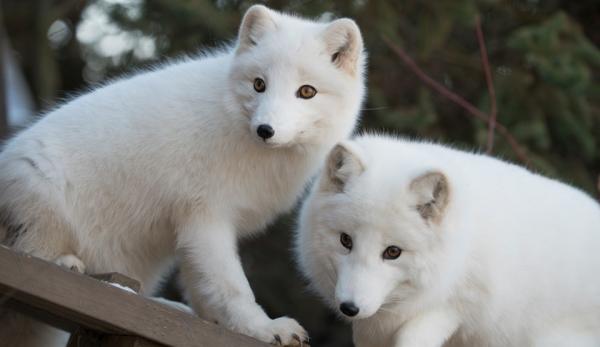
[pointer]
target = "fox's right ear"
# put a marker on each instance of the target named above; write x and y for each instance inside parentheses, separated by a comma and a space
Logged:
(342, 164)
(256, 22)
(344, 43)
(432, 194)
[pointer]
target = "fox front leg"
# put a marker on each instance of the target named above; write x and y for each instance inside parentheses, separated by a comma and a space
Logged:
(215, 281)
(428, 329)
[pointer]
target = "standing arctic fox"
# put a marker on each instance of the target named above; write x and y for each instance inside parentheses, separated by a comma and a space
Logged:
(421, 245)
(184, 160)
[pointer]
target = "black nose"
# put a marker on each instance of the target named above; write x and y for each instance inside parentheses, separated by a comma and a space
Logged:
(265, 131)
(349, 309)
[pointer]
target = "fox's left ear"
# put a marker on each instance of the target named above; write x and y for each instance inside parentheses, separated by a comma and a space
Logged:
(432, 193)
(343, 163)
(257, 21)
(344, 44)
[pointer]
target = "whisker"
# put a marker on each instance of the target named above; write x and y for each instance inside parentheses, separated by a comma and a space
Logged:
(375, 108)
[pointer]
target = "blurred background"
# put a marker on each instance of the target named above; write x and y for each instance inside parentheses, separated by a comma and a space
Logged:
(544, 60)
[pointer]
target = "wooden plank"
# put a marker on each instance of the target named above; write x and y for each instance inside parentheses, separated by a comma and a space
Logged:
(115, 277)
(39, 314)
(87, 338)
(127, 341)
(102, 307)
(82, 337)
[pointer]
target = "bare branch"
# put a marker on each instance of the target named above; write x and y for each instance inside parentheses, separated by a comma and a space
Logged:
(490, 85)
(457, 99)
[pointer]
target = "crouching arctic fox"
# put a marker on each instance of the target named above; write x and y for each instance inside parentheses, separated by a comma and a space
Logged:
(421, 245)
(182, 161)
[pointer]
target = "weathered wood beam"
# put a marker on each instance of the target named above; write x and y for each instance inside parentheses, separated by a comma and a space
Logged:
(79, 300)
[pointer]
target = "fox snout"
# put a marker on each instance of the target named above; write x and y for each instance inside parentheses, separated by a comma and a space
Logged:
(273, 132)
(349, 308)
(265, 131)
(357, 308)
(276, 126)
(361, 290)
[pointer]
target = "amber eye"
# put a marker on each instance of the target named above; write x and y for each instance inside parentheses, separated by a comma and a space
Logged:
(346, 240)
(306, 92)
(259, 85)
(392, 252)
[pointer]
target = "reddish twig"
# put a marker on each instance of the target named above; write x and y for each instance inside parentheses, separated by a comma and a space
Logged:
(457, 99)
(490, 85)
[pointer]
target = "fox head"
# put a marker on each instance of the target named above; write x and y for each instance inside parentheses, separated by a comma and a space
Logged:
(369, 235)
(297, 81)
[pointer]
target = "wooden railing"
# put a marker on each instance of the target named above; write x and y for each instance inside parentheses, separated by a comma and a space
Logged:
(101, 314)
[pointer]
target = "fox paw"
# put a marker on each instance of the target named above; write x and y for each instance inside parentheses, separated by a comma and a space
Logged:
(282, 331)
(71, 262)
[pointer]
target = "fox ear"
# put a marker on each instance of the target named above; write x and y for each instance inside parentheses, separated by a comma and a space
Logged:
(256, 22)
(432, 195)
(344, 44)
(342, 164)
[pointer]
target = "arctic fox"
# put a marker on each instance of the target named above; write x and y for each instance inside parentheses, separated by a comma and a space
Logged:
(183, 161)
(422, 245)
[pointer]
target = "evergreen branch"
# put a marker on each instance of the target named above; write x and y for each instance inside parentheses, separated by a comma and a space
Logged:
(457, 99)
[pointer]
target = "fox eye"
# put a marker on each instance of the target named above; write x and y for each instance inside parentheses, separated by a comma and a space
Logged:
(346, 240)
(392, 252)
(306, 92)
(260, 85)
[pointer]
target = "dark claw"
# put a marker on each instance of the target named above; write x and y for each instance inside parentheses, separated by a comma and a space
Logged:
(278, 340)
(297, 338)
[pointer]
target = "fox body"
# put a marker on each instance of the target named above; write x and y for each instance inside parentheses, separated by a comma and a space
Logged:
(182, 161)
(422, 245)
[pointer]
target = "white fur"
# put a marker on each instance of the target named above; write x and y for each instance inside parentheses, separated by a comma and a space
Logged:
(512, 260)
(168, 163)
